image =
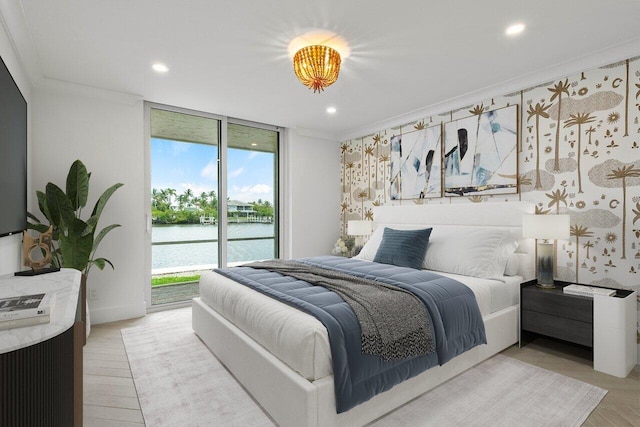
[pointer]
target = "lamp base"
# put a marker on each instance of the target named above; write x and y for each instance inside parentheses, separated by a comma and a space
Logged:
(545, 265)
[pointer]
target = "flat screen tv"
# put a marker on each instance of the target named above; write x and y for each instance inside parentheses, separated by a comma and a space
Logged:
(13, 155)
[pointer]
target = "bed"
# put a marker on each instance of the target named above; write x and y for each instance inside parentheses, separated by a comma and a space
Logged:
(282, 355)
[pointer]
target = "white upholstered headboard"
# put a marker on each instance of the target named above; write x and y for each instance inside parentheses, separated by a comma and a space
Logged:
(488, 214)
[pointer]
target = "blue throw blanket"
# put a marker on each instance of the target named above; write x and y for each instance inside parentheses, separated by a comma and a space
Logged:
(455, 319)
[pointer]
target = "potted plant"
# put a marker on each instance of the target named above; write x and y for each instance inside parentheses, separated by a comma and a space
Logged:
(75, 240)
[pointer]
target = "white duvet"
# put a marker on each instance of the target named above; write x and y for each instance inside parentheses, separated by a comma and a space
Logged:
(300, 340)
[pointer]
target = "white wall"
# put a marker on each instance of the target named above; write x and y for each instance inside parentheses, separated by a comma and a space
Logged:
(10, 255)
(312, 194)
(105, 131)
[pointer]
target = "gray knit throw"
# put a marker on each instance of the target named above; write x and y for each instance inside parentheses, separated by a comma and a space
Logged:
(394, 322)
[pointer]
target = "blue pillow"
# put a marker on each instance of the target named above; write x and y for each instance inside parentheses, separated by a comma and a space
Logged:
(404, 248)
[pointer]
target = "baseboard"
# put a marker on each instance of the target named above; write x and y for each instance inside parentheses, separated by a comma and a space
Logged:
(122, 312)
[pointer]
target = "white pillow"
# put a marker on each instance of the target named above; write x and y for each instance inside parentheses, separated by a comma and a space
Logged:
(526, 265)
(469, 251)
(466, 250)
(511, 269)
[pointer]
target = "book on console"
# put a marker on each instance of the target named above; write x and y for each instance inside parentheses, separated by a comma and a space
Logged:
(587, 291)
(26, 306)
(27, 321)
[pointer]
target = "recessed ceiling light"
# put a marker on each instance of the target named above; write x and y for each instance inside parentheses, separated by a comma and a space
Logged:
(160, 68)
(331, 110)
(514, 29)
(253, 144)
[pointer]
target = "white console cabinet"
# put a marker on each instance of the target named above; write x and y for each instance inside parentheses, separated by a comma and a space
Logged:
(614, 333)
(41, 365)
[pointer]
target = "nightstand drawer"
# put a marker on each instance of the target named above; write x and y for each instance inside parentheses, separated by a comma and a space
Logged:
(557, 304)
(558, 327)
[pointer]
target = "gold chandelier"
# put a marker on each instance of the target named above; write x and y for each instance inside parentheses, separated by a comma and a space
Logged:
(317, 66)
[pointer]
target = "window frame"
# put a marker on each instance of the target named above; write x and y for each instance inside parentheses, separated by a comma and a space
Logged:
(223, 122)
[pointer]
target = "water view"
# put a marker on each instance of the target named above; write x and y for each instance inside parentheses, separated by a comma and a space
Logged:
(255, 242)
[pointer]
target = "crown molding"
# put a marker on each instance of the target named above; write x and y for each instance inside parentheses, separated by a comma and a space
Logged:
(310, 133)
(64, 87)
(17, 30)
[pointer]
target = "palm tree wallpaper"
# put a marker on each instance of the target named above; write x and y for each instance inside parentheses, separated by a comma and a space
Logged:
(579, 153)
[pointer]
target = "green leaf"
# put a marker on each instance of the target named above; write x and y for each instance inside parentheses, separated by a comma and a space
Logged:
(101, 234)
(55, 262)
(101, 263)
(88, 229)
(92, 222)
(33, 218)
(78, 185)
(57, 256)
(102, 201)
(40, 228)
(60, 209)
(76, 247)
(42, 204)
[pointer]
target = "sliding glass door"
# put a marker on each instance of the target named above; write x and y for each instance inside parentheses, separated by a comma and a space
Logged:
(214, 198)
(252, 165)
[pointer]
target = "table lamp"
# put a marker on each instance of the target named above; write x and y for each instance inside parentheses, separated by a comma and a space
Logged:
(545, 228)
(358, 228)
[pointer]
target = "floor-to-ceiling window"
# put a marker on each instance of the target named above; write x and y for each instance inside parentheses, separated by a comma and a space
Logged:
(214, 197)
(252, 165)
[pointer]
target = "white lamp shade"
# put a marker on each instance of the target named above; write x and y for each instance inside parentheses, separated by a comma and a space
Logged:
(551, 227)
(358, 228)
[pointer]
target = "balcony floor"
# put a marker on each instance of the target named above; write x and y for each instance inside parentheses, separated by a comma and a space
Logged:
(174, 293)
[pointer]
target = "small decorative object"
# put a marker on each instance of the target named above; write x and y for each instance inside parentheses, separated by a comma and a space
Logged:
(343, 247)
(359, 229)
(480, 155)
(545, 228)
(317, 66)
(36, 251)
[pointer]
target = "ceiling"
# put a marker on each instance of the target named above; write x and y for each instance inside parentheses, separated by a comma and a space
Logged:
(230, 57)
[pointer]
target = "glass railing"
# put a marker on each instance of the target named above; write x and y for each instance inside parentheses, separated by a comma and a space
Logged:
(178, 262)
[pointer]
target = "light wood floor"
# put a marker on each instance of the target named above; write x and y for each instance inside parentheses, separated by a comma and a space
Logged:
(110, 397)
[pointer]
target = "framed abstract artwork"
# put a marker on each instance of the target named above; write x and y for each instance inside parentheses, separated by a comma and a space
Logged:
(416, 159)
(480, 153)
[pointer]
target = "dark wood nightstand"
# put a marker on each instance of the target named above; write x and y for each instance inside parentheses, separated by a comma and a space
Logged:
(552, 313)
(604, 324)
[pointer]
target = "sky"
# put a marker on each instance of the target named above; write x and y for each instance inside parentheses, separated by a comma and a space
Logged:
(181, 165)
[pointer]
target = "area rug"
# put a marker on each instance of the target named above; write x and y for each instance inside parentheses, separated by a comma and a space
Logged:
(501, 391)
(179, 382)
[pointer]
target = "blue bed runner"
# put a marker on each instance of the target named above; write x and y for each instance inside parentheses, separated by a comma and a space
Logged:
(451, 306)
